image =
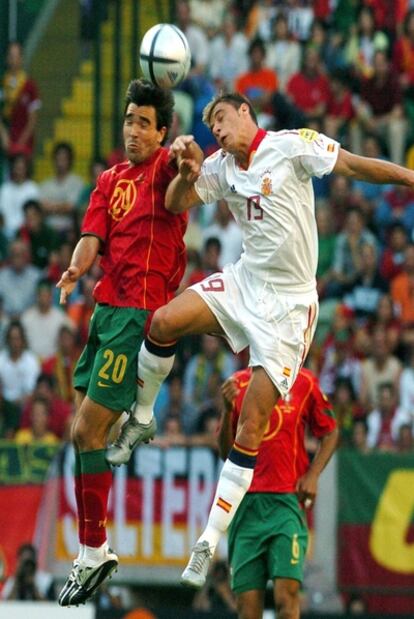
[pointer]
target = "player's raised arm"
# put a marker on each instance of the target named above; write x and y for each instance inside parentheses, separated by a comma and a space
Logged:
(181, 194)
(372, 170)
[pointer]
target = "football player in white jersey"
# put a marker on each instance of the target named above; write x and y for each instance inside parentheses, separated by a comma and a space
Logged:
(268, 299)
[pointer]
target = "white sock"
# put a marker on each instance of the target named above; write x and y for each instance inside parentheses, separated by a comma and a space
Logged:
(93, 556)
(152, 371)
(232, 485)
(81, 553)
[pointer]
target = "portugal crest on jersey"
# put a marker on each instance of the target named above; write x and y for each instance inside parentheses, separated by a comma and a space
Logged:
(266, 186)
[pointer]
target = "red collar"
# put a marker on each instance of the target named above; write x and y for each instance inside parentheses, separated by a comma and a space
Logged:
(261, 133)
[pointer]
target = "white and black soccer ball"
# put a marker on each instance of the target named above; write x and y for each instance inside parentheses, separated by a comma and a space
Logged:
(164, 55)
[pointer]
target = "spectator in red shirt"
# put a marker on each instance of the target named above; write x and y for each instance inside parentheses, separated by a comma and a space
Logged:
(143, 260)
(60, 411)
(309, 88)
(339, 110)
(380, 110)
(268, 536)
(392, 259)
(21, 103)
(403, 56)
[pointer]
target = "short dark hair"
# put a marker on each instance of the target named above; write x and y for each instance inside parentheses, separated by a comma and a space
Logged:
(232, 98)
(33, 204)
(65, 146)
(144, 92)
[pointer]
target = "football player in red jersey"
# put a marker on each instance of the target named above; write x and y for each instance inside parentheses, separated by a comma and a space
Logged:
(268, 535)
(143, 260)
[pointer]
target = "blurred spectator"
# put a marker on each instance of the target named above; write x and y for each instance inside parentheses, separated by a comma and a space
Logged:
(209, 15)
(28, 583)
(368, 194)
(381, 367)
(359, 440)
(339, 109)
(402, 288)
(258, 83)
(283, 53)
(368, 286)
(81, 310)
(58, 262)
(172, 433)
(4, 323)
(60, 193)
(380, 110)
(18, 280)
(392, 260)
(61, 364)
(40, 238)
(97, 166)
(38, 431)
(326, 248)
(346, 409)
(347, 251)
(300, 18)
(407, 386)
(340, 362)
(216, 595)
(210, 261)
(340, 200)
(363, 43)
(212, 359)
(385, 318)
(309, 88)
(196, 37)
(225, 229)
(60, 411)
(403, 53)
(176, 406)
(15, 192)
(20, 105)
(9, 417)
(385, 420)
(405, 442)
(396, 206)
(42, 318)
(19, 367)
(356, 605)
(259, 17)
(228, 55)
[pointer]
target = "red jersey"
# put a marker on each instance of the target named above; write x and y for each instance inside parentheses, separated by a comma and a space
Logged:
(282, 457)
(143, 254)
(307, 92)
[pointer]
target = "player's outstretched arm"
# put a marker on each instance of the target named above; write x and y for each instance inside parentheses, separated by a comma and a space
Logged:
(372, 170)
(181, 194)
(83, 257)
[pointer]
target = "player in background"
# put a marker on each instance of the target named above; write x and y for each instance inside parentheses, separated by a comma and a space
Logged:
(143, 260)
(268, 299)
(268, 536)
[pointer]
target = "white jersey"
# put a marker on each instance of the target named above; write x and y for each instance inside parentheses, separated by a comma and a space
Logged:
(273, 203)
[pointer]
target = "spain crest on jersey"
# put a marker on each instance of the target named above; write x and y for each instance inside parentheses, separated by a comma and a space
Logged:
(266, 186)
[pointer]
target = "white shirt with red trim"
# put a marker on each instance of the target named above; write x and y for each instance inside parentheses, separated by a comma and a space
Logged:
(273, 203)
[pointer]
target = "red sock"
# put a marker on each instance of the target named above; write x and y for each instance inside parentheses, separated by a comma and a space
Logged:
(79, 498)
(96, 483)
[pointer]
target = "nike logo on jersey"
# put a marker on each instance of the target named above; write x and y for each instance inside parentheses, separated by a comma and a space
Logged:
(294, 561)
(100, 384)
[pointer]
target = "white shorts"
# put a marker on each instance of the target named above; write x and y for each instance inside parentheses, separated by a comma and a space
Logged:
(278, 327)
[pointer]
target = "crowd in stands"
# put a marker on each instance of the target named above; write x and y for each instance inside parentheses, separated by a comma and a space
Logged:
(342, 67)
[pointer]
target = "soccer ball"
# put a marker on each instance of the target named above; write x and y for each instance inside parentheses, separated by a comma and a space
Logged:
(165, 55)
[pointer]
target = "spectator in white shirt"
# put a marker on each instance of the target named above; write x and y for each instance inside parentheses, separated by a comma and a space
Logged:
(14, 193)
(44, 318)
(19, 367)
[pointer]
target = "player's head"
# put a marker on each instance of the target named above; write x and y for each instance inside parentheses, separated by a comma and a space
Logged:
(230, 117)
(148, 116)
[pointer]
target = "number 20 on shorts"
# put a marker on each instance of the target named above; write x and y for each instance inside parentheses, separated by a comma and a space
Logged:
(114, 367)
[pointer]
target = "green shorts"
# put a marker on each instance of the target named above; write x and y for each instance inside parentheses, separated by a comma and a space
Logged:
(107, 367)
(267, 539)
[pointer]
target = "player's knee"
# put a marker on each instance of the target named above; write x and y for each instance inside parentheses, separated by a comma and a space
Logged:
(246, 611)
(162, 325)
(287, 603)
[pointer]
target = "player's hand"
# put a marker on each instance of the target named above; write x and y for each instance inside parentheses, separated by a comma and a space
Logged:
(182, 147)
(307, 488)
(67, 282)
(189, 170)
(229, 392)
